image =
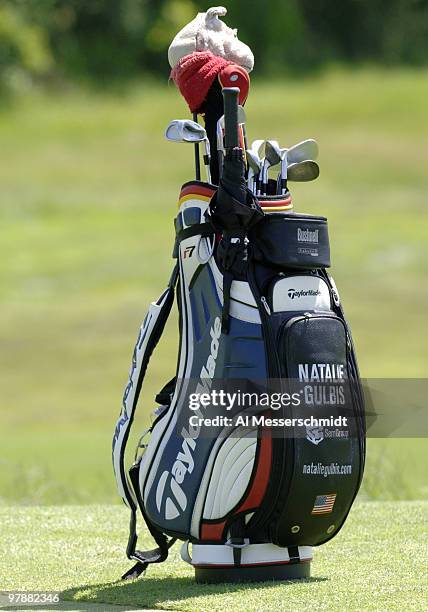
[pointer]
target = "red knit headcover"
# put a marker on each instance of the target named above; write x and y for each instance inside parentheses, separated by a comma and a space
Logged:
(195, 73)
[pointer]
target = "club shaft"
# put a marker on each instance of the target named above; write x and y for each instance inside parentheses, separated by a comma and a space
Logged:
(197, 159)
(220, 147)
(207, 159)
(284, 164)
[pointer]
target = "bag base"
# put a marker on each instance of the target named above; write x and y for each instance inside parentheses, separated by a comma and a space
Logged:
(260, 573)
(259, 562)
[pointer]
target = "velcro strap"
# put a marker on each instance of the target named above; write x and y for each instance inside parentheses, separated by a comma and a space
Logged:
(156, 555)
(198, 229)
(293, 553)
(135, 571)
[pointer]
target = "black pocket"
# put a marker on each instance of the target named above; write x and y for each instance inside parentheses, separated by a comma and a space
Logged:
(292, 241)
(325, 462)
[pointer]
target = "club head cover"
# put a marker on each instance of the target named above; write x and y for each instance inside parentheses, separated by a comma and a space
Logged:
(207, 32)
(235, 76)
(201, 50)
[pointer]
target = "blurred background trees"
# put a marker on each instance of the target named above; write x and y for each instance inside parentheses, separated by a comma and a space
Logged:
(106, 41)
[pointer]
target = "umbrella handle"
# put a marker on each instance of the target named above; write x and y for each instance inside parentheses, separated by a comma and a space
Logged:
(230, 101)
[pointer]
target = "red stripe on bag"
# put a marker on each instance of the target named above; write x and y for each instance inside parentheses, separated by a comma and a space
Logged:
(274, 203)
(212, 531)
(261, 477)
(197, 190)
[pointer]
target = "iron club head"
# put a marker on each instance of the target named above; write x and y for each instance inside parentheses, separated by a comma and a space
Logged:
(185, 130)
(306, 170)
(307, 149)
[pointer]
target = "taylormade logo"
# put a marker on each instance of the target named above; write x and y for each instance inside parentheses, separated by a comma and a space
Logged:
(307, 236)
(208, 370)
(292, 293)
(176, 500)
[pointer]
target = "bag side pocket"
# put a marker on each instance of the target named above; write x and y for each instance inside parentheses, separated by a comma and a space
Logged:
(326, 460)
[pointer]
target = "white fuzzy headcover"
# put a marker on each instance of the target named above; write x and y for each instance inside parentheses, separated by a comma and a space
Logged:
(208, 33)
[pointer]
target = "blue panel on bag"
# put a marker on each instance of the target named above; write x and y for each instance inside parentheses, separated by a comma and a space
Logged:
(192, 215)
(239, 354)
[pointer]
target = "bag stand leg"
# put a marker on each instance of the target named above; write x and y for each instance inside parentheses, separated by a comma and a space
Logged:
(250, 563)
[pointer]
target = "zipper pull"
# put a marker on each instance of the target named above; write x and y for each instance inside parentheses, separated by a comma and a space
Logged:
(335, 296)
(333, 290)
(265, 304)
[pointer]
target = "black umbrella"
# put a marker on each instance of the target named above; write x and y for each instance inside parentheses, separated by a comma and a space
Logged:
(234, 209)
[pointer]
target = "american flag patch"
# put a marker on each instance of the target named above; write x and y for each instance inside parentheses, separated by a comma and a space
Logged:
(324, 504)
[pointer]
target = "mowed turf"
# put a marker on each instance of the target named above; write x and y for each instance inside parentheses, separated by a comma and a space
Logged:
(88, 193)
(376, 563)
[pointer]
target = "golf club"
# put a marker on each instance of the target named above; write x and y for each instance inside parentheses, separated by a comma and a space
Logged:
(283, 174)
(254, 167)
(272, 158)
(305, 150)
(257, 146)
(196, 150)
(273, 155)
(306, 170)
(257, 149)
(220, 146)
(242, 120)
(185, 130)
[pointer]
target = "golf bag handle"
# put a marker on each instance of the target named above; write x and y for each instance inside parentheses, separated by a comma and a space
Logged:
(231, 100)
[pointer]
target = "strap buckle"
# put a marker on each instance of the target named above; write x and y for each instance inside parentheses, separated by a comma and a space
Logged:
(246, 542)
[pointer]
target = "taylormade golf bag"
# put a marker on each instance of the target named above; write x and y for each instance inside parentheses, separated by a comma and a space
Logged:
(254, 305)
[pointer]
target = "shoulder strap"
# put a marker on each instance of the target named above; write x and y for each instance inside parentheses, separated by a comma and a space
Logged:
(148, 337)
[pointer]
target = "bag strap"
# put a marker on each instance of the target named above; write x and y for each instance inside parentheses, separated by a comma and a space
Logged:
(144, 558)
(148, 337)
(356, 385)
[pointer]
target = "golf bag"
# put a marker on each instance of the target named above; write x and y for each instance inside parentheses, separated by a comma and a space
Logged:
(254, 305)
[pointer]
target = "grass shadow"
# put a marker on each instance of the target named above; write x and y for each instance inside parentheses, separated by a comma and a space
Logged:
(153, 592)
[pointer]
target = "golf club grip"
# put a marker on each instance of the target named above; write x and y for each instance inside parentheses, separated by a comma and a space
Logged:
(230, 100)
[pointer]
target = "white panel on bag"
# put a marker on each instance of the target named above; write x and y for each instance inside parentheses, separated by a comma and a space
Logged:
(301, 293)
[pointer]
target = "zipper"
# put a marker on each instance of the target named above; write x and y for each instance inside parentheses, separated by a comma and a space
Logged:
(273, 371)
(266, 305)
(265, 314)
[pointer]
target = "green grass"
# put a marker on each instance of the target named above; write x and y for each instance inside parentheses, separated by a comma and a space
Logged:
(376, 563)
(88, 191)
